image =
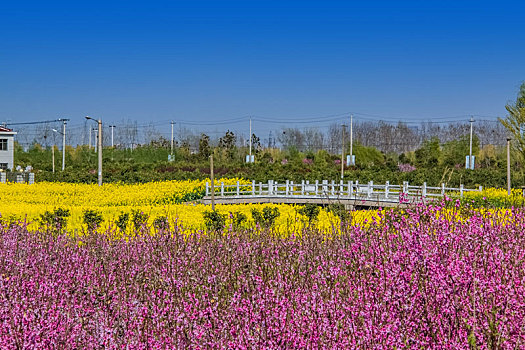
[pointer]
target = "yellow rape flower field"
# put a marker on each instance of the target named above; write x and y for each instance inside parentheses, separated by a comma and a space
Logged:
(176, 200)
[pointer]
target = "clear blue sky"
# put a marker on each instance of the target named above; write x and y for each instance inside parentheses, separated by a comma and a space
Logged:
(207, 61)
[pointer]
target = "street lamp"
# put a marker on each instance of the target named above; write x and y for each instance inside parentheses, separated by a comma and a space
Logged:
(63, 150)
(63, 133)
(112, 127)
(99, 142)
(52, 152)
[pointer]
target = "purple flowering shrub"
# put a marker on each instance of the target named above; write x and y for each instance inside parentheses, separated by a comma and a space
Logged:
(308, 161)
(406, 168)
(417, 280)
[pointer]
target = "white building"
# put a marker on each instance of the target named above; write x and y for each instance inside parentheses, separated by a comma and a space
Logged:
(7, 146)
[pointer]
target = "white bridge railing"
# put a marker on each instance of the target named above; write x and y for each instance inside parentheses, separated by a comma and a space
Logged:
(325, 189)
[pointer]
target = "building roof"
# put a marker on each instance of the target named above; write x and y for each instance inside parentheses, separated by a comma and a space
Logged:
(4, 129)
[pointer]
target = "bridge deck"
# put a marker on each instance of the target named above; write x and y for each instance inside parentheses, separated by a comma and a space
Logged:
(349, 194)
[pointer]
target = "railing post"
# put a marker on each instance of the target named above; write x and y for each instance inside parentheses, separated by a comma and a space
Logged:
(238, 189)
(387, 188)
(316, 187)
(207, 190)
(480, 188)
(291, 188)
(370, 189)
(341, 188)
(222, 189)
(333, 188)
(405, 187)
(286, 188)
(442, 189)
(270, 187)
(357, 187)
(461, 190)
(260, 189)
(302, 188)
(253, 187)
(350, 188)
(325, 187)
(424, 189)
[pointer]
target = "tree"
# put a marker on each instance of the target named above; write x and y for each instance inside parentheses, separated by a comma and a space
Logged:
(429, 154)
(227, 142)
(204, 146)
(515, 121)
(256, 143)
(454, 151)
(292, 137)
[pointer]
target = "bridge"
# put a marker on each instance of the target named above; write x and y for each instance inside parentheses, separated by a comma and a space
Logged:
(350, 194)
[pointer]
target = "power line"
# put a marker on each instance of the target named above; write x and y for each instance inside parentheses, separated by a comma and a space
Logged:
(38, 122)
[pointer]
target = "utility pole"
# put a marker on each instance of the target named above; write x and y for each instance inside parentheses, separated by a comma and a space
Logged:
(343, 152)
(471, 163)
(508, 166)
(90, 138)
(212, 184)
(99, 145)
(172, 122)
(112, 127)
(250, 160)
(63, 133)
(64, 144)
(99, 152)
(351, 140)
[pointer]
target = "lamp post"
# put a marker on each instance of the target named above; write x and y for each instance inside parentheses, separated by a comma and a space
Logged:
(112, 127)
(63, 149)
(63, 133)
(351, 140)
(99, 143)
(470, 162)
(172, 122)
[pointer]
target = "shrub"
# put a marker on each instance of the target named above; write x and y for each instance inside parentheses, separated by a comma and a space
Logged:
(10, 221)
(311, 211)
(267, 217)
(406, 168)
(214, 221)
(92, 219)
(56, 219)
(122, 221)
(139, 218)
(161, 223)
(238, 219)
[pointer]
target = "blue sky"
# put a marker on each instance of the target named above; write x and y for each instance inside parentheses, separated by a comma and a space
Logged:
(210, 61)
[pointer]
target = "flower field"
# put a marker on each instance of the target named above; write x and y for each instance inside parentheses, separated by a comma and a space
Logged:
(21, 202)
(412, 280)
(495, 197)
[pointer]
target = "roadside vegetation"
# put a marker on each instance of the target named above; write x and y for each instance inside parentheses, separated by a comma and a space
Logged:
(432, 162)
